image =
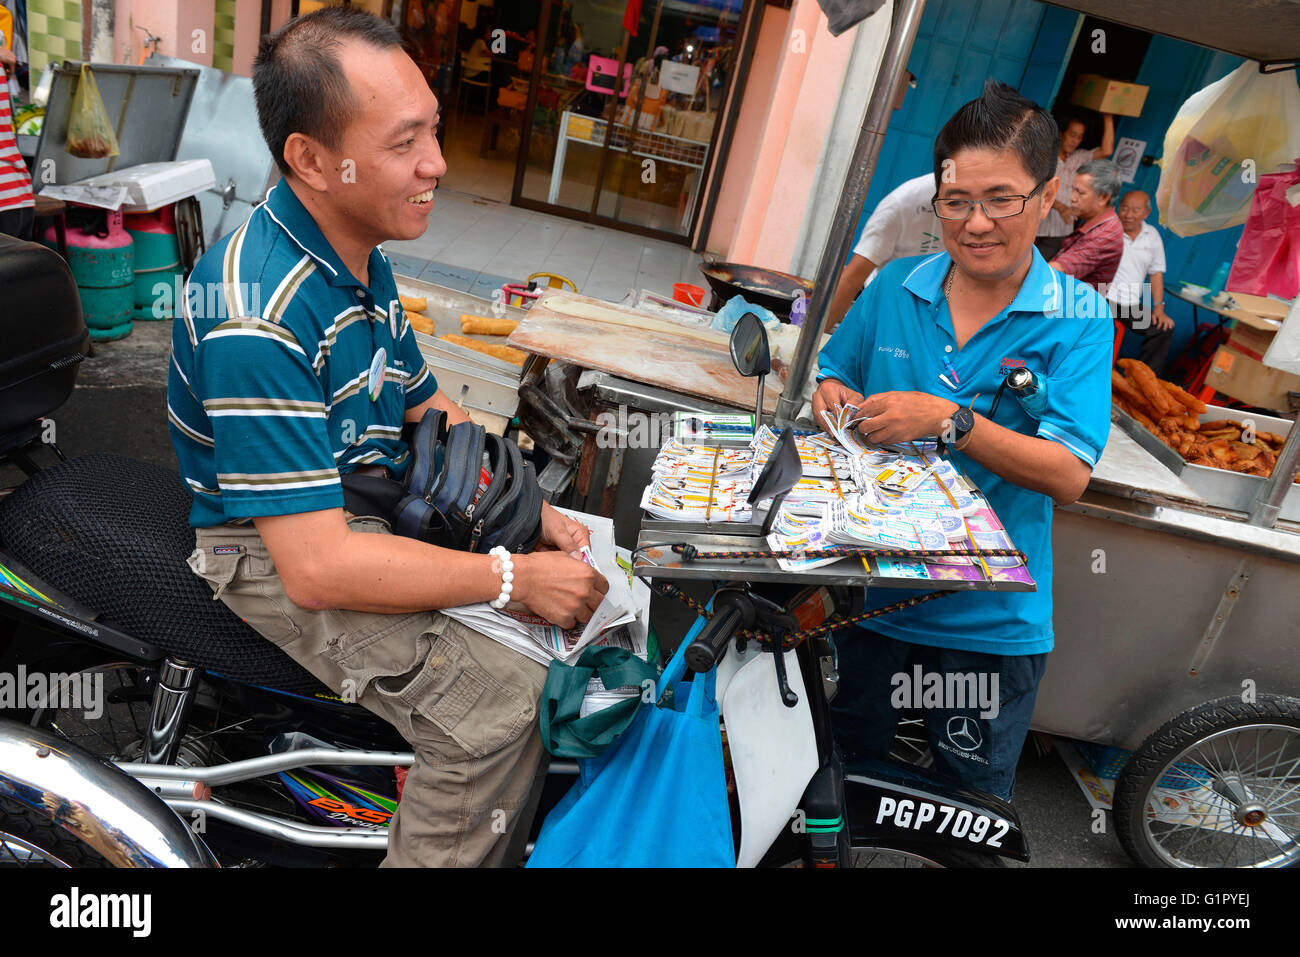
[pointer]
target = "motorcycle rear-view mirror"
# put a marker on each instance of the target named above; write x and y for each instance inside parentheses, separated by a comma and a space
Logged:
(781, 473)
(750, 354)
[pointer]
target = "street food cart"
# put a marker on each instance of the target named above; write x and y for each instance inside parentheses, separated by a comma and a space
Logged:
(1175, 598)
(1177, 617)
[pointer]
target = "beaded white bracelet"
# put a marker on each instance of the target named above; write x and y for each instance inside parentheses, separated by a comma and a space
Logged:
(507, 575)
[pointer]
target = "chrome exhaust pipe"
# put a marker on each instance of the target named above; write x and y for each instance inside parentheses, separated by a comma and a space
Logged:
(110, 811)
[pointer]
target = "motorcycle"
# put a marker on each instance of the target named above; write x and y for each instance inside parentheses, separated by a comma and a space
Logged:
(211, 747)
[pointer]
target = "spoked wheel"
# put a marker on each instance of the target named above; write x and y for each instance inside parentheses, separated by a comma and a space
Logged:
(1218, 786)
(16, 852)
(29, 839)
(117, 732)
(911, 745)
(114, 716)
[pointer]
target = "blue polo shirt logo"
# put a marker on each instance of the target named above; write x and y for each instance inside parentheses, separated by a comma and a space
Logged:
(897, 352)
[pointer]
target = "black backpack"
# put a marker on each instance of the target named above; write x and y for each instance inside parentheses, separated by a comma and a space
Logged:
(439, 502)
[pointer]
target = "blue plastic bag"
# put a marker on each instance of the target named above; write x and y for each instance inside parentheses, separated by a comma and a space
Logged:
(726, 318)
(657, 797)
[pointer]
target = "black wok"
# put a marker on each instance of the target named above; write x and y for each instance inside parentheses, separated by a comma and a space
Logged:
(768, 288)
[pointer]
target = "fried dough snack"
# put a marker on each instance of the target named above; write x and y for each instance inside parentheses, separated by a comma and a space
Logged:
(505, 353)
(1123, 389)
(1192, 404)
(421, 323)
(1170, 414)
(486, 325)
(1145, 381)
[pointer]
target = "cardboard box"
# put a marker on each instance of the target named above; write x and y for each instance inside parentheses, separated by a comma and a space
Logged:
(1237, 369)
(1109, 96)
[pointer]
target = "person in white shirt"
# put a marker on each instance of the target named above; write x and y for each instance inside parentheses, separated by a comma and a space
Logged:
(1143, 261)
(1060, 221)
(903, 224)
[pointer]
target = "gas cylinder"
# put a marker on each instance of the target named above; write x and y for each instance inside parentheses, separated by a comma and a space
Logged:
(102, 257)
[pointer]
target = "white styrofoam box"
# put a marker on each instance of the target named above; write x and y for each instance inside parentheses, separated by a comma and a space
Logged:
(151, 185)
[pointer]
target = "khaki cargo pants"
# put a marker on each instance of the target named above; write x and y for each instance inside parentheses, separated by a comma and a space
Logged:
(466, 704)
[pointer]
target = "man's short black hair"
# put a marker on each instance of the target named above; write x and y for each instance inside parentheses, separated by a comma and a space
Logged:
(1001, 119)
(298, 82)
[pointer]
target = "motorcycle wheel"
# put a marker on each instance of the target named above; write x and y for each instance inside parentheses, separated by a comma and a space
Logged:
(30, 839)
(1231, 771)
(127, 691)
(911, 744)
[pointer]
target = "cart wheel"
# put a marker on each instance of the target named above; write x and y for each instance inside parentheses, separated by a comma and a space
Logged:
(1217, 786)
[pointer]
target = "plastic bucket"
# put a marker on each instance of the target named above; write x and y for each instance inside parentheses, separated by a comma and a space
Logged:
(689, 294)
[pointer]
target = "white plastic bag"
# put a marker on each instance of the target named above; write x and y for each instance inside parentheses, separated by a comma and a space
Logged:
(1222, 139)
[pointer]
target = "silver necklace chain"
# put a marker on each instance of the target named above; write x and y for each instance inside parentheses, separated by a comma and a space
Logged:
(947, 288)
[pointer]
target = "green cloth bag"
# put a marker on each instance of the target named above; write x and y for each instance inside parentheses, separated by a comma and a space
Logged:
(564, 733)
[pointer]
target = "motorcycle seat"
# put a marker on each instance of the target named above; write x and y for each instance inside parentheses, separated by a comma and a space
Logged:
(114, 534)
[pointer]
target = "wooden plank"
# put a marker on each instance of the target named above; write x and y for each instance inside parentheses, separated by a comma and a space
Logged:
(684, 365)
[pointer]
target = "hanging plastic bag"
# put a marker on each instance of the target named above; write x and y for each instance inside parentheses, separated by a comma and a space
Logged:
(566, 731)
(1221, 141)
(90, 134)
(1268, 253)
(842, 14)
(657, 797)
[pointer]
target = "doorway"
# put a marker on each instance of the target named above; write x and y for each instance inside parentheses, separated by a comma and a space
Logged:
(478, 58)
(625, 101)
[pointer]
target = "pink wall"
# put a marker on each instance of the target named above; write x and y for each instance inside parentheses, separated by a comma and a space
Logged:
(749, 129)
(171, 20)
(809, 77)
(248, 27)
(191, 16)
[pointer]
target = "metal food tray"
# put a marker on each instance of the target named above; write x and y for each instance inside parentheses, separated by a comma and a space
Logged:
(493, 385)
(450, 352)
(1222, 488)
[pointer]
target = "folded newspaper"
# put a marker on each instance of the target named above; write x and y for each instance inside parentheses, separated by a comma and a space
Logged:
(621, 618)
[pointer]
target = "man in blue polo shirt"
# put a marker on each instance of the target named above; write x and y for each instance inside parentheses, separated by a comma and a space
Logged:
(292, 363)
(922, 353)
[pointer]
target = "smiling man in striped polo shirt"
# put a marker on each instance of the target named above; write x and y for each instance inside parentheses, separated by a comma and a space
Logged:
(293, 362)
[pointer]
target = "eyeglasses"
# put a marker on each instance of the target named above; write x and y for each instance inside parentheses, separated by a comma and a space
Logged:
(995, 207)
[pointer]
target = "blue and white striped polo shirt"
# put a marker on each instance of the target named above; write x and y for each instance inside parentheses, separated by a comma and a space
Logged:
(269, 394)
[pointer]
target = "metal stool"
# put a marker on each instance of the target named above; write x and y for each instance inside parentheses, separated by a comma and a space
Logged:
(57, 210)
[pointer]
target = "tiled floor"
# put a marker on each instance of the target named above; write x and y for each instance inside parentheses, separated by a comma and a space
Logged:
(475, 244)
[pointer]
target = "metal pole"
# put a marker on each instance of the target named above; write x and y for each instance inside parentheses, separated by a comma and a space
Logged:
(840, 238)
(609, 126)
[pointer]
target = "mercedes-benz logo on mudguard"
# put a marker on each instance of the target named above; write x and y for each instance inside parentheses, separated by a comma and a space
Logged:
(964, 732)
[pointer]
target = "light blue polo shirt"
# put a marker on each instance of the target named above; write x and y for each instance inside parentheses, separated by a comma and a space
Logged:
(287, 370)
(896, 338)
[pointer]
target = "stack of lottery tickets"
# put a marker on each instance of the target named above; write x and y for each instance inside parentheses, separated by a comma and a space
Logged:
(852, 493)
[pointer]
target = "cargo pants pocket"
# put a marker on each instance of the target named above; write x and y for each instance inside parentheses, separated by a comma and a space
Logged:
(482, 705)
(243, 577)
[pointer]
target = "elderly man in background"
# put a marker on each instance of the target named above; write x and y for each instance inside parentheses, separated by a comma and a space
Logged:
(1143, 261)
(1092, 252)
(1060, 219)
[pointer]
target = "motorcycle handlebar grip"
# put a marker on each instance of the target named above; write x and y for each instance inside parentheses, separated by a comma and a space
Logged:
(703, 653)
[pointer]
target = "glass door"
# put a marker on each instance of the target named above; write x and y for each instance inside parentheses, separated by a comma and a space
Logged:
(623, 124)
